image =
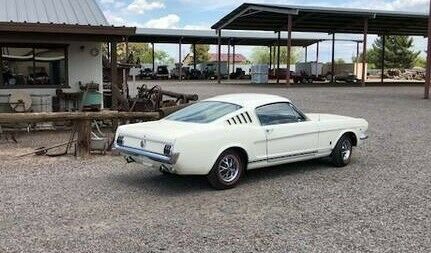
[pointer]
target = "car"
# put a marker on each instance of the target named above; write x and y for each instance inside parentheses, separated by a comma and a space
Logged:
(347, 78)
(146, 73)
(224, 136)
(175, 72)
(162, 72)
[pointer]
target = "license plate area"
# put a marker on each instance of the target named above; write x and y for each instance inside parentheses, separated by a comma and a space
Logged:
(144, 144)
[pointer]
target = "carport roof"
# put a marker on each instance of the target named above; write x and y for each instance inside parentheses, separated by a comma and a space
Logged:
(211, 38)
(267, 17)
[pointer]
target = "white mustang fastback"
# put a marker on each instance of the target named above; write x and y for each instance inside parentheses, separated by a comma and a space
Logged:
(223, 136)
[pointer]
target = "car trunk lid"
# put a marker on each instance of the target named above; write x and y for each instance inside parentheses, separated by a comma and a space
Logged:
(154, 136)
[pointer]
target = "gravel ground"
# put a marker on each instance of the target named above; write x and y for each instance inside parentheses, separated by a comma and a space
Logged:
(380, 203)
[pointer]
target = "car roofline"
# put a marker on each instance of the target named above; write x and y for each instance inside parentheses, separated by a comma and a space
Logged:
(253, 104)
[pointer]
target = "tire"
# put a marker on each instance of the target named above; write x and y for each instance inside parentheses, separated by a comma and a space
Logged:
(227, 170)
(342, 153)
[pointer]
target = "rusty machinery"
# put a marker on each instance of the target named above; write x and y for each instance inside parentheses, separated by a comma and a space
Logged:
(152, 99)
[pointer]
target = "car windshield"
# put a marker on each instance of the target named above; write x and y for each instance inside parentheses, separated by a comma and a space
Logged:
(204, 112)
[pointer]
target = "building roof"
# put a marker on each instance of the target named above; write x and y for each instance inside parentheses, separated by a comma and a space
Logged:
(72, 12)
(209, 37)
(266, 17)
(249, 100)
(59, 19)
(224, 57)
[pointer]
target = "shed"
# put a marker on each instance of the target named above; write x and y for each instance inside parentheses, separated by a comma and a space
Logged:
(48, 45)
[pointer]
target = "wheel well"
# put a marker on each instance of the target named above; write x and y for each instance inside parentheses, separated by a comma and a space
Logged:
(242, 153)
(352, 137)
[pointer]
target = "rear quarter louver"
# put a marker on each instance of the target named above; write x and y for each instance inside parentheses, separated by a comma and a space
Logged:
(240, 119)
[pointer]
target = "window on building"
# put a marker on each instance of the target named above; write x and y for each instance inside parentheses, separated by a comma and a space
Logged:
(33, 66)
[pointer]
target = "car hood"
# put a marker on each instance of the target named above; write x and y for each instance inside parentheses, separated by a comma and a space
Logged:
(166, 130)
(338, 119)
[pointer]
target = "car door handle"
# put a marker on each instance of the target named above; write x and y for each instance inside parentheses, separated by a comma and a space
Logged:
(268, 131)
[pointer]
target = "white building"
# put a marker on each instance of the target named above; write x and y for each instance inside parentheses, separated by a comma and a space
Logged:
(48, 45)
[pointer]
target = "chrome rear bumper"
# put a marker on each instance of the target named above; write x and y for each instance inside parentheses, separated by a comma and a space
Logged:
(164, 159)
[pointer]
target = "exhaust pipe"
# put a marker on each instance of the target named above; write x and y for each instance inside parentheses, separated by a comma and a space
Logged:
(168, 169)
(129, 159)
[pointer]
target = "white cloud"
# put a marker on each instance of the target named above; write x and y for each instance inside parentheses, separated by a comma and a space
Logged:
(119, 5)
(117, 20)
(400, 5)
(114, 19)
(404, 5)
(169, 21)
(113, 4)
(172, 21)
(141, 6)
(230, 4)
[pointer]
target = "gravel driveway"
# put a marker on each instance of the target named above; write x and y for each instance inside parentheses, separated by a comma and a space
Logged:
(380, 203)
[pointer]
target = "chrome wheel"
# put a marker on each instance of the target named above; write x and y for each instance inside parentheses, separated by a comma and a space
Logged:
(346, 149)
(229, 168)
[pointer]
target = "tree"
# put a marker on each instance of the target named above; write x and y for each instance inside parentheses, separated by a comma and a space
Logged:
(399, 52)
(163, 57)
(421, 62)
(140, 52)
(260, 55)
(202, 53)
(340, 61)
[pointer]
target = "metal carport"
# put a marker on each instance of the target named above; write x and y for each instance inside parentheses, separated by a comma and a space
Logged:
(290, 18)
(229, 38)
(209, 37)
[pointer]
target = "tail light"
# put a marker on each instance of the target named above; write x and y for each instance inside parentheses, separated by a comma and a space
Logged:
(167, 150)
(120, 140)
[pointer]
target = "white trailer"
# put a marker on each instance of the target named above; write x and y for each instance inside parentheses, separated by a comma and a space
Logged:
(309, 68)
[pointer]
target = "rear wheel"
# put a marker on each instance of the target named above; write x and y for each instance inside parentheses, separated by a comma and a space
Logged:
(342, 152)
(226, 171)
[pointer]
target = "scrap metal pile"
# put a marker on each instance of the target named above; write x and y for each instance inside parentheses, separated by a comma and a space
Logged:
(407, 74)
(153, 99)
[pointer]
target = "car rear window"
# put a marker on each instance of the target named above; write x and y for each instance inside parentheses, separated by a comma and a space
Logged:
(204, 112)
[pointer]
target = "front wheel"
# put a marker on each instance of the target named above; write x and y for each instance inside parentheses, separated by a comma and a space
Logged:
(342, 152)
(226, 171)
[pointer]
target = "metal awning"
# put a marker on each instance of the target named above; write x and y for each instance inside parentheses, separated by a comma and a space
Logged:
(209, 37)
(62, 32)
(265, 17)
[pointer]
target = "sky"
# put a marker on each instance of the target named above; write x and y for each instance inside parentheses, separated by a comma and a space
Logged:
(202, 14)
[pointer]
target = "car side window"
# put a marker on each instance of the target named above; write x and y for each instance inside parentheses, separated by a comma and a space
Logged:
(278, 113)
